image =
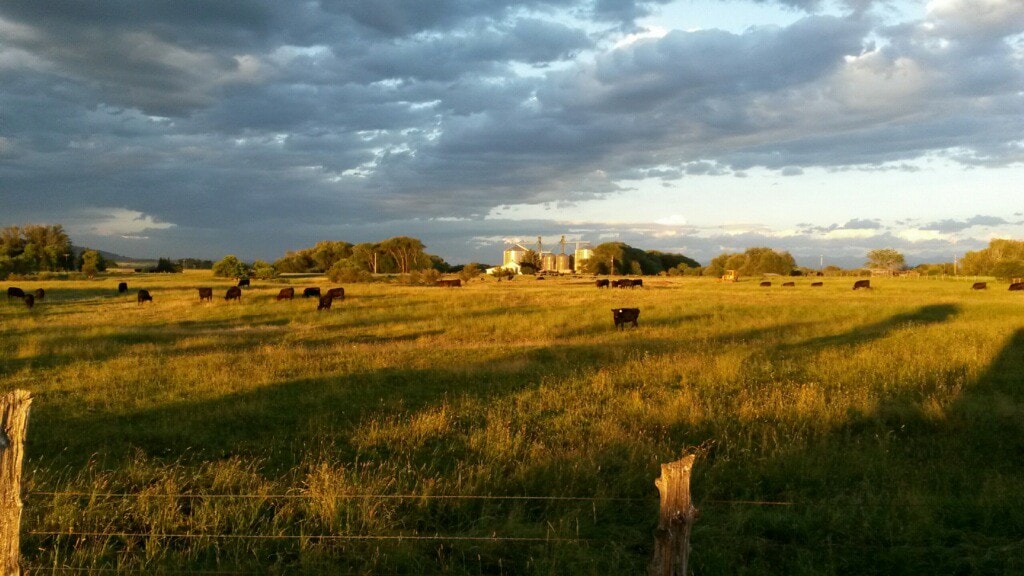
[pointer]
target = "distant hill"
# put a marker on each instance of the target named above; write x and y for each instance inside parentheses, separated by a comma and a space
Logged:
(121, 261)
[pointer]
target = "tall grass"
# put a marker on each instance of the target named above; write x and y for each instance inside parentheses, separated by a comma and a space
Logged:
(881, 432)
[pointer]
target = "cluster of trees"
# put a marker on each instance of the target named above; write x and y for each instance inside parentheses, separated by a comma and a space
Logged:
(621, 258)
(34, 248)
(1002, 259)
(753, 262)
(398, 255)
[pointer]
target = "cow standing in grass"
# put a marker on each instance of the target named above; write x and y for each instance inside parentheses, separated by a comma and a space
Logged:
(286, 294)
(865, 284)
(979, 286)
(325, 303)
(30, 301)
(14, 292)
(206, 294)
(234, 293)
(336, 293)
(311, 292)
(144, 296)
(122, 287)
(623, 316)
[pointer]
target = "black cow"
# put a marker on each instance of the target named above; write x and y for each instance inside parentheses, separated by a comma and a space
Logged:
(243, 282)
(286, 294)
(765, 284)
(788, 284)
(40, 293)
(234, 293)
(206, 294)
(30, 301)
(338, 293)
(623, 316)
(816, 284)
(602, 283)
(13, 292)
(979, 286)
(865, 284)
(122, 288)
(308, 292)
(144, 296)
(325, 303)
(455, 283)
(1016, 286)
(637, 283)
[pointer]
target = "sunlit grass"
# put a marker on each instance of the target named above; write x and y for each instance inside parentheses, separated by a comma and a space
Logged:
(873, 415)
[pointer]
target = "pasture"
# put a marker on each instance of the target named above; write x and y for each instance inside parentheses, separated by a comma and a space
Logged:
(509, 428)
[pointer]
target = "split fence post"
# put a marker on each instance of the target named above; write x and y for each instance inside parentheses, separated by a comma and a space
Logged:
(13, 425)
(672, 537)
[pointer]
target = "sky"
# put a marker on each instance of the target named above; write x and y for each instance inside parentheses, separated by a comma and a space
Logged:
(826, 128)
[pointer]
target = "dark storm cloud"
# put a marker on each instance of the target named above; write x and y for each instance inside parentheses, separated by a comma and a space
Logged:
(231, 118)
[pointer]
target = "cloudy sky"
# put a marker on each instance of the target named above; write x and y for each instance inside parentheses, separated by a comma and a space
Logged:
(253, 127)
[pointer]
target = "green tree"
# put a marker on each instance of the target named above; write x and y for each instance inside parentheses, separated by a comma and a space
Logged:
(888, 258)
(92, 263)
(327, 252)
(405, 252)
(469, 272)
(365, 256)
(230, 267)
(167, 266)
(262, 270)
(752, 262)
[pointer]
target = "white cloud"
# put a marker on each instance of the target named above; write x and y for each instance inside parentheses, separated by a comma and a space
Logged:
(919, 235)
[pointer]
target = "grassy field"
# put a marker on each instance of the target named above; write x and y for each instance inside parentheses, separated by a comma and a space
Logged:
(507, 428)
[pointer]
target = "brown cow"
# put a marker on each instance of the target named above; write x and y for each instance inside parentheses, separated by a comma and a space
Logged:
(234, 293)
(789, 284)
(865, 284)
(602, 283)
(765, 284)
(40, 293)
(309, 292)
(816, 284)
(206, 294)
(286, 294)
(623, 316)
(336, 293)
(30, 301)
(979, 286)
(1016, 286)
(637, 282)
(13, 292)
(325, 303)
(144, 296)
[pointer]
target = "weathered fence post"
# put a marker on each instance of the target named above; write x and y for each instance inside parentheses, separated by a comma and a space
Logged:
(13, 424)
(672, 538)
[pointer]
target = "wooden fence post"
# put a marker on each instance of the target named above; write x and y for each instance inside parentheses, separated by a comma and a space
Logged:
(672, 537)
(13, 425)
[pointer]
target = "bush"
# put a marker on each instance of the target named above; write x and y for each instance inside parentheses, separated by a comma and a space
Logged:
(346, 272)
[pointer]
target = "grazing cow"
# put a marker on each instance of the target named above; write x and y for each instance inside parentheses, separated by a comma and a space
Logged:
(866, 284)
(623, 316)
(785, 284)
(40, 293)
(817, 284)
(243, 282)
(13, 292)
(765, 284)
(624, 283)
(144, 296)
(234, 293)
(325, 303)
(455, 283)
(122, 288)
(1016, 286)
(30, 301)
(311, 292)
(206, 294)
(979, 286)
(637, 282)
(286, 294)
(338, 293)
(602, 283)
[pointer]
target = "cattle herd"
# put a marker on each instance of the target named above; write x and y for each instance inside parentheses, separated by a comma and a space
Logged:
(620, 316)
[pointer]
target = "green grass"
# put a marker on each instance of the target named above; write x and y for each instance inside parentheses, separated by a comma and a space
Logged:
(890, 422)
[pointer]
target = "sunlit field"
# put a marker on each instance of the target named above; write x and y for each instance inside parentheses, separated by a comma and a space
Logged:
(508, 428)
